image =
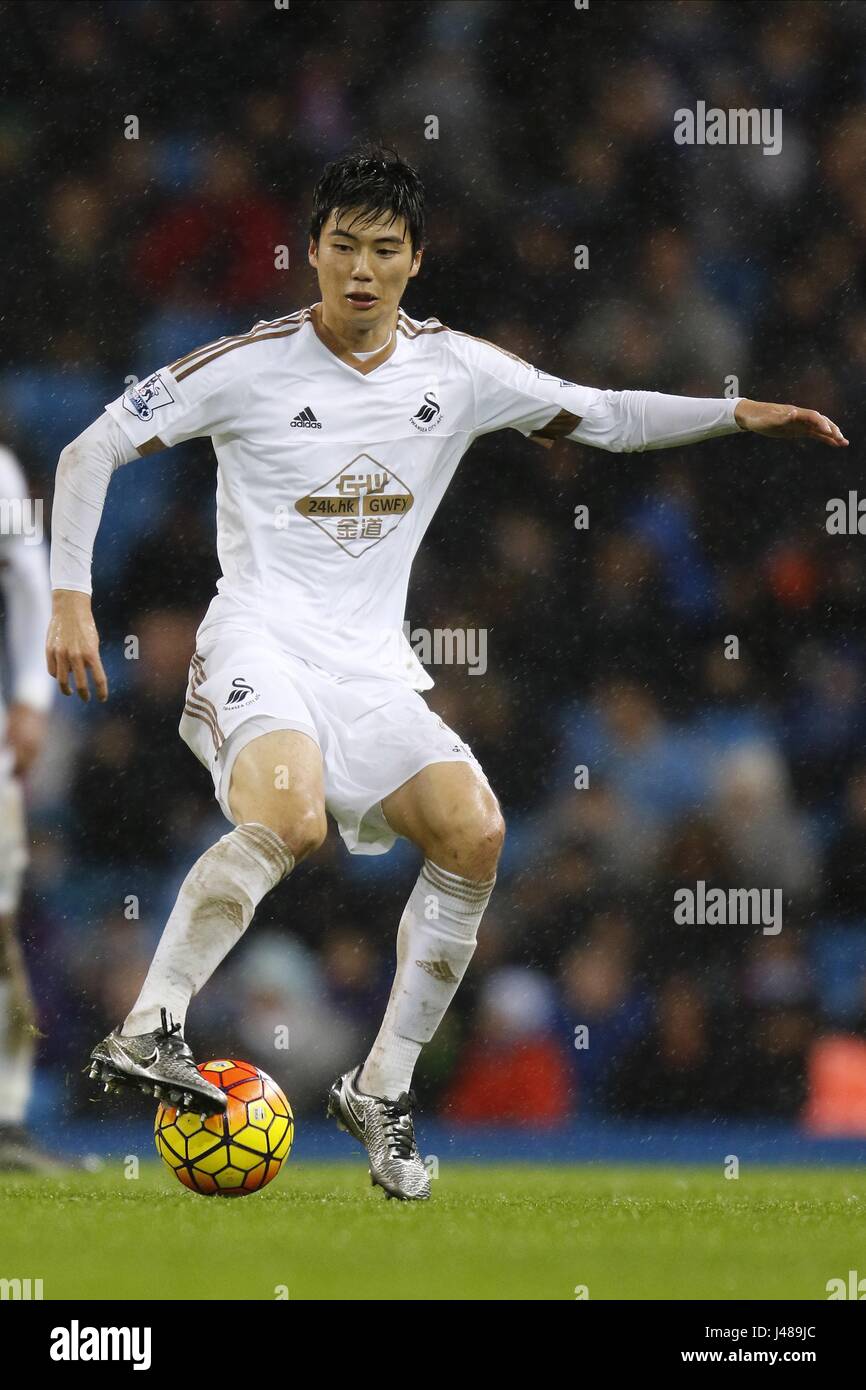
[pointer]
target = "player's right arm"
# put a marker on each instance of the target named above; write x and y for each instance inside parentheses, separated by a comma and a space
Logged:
(201, 394)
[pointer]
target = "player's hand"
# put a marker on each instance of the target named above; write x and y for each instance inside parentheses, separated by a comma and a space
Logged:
(72, 645)
(25, 734)
(788, 422)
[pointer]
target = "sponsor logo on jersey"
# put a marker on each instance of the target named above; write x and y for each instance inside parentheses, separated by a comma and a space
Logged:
(306, 420)
(240, 692)
(144, 397)
(428, 415)
(359, 506)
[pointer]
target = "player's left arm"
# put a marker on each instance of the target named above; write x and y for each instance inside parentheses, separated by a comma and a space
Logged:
(509, 393)
(632, 421)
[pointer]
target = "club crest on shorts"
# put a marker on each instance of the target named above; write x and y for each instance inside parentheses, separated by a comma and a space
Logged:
(359, 506)
(241, 693)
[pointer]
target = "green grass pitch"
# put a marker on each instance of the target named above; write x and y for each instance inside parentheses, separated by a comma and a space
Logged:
(510, 1232)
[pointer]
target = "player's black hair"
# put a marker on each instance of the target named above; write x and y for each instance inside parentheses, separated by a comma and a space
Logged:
(376, 180)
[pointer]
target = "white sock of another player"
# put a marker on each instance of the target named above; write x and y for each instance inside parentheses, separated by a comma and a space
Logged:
(435, 943)
(16, 1062)
(214, 907)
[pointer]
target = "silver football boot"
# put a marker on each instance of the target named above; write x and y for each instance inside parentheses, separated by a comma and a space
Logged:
(386, 1130)
(160, 1064)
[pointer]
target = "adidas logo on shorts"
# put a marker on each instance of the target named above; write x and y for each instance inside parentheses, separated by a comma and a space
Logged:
(306, 420)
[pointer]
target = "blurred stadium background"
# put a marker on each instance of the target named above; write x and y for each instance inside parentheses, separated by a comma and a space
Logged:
(605, 646)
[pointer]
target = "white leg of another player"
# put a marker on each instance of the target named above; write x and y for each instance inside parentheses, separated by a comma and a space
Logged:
(17, 1014)
(17, 1029)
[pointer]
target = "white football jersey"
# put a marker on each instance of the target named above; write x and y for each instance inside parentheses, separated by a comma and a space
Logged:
(329, 474)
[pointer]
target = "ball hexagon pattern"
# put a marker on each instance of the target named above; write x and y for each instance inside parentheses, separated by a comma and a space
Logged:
(234, 1154)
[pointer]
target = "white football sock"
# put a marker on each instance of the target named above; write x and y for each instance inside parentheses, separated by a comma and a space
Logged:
(213, 910)
(435, 943)
(16, 1063)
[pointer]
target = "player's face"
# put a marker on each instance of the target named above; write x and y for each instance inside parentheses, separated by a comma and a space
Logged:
(363, 269)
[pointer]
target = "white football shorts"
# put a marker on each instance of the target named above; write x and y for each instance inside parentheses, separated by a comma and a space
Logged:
(373, 734)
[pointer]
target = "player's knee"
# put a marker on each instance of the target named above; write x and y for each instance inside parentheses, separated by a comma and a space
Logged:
(302, 832)
(472, 845)
(488, 838)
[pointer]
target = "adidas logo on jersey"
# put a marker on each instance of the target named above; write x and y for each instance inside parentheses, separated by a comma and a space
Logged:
(306, 420)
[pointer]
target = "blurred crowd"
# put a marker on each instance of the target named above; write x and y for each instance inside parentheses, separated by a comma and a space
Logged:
(609, 647)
